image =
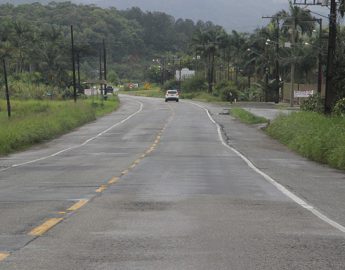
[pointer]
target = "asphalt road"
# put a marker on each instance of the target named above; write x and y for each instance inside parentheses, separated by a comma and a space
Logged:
(157, 186)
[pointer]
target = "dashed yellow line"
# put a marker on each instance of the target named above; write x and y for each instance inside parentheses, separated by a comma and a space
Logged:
(124, 172)
(101, 188)
(137, 161)
(78, 205)
(62, 212)
(132, 166)
(3, 256)
(46, 226)
(113, 180)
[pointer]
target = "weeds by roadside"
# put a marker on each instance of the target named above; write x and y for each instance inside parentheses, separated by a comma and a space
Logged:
(35, 121)
(247, 117)
(315, 136)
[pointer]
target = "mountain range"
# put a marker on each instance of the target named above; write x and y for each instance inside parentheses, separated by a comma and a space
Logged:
(240, 15)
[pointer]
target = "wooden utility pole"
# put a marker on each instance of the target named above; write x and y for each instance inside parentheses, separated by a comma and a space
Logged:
(330, 95)
(73, 66)
(6, 89)
(105, 67)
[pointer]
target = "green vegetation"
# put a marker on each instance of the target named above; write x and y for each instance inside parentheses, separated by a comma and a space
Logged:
(315, 136)
(247, 117)
(35, 121)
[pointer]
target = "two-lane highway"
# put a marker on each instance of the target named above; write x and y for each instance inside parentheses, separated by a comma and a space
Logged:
(159, 190)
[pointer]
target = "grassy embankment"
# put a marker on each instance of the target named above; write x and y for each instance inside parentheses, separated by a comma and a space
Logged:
(315, 136)
(35, 121)
(312, 135)
(247, 117)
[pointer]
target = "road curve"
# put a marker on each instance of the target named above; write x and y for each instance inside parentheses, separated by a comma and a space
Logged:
(158, 191)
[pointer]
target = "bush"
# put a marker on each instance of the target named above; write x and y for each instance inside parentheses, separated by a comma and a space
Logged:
(171, 84)
(194, 84)
(314, 103)
(253, 93)
(227, 91)
(339, 108)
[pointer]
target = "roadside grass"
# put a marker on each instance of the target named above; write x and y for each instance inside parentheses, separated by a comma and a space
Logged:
(315, 136)
(247, 117)
(155, 92)
(34, 121)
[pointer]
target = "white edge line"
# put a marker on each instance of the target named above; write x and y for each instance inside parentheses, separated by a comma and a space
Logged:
(80, 145)
(269, 179)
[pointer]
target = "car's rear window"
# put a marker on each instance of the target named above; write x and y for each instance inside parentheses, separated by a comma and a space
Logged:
(172, 92)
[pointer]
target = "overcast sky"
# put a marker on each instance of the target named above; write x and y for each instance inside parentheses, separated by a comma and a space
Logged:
(241, 15)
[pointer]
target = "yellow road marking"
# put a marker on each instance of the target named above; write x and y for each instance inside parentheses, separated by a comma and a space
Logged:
(78, 205)
(132, 166)
(101, 188)
(113, 180)
(137, 161)
(62, 212)
(3, 256)
(46, 226)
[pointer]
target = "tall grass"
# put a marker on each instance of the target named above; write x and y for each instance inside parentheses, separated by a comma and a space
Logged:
(247, 117)
(315, 136)
(35, 121)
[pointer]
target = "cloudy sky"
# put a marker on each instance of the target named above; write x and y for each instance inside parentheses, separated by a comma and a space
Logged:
(241, 15)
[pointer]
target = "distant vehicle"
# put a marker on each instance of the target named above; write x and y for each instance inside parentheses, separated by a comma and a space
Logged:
(172, 95)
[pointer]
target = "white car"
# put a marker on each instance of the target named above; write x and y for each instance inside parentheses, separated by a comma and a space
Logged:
(172, 95)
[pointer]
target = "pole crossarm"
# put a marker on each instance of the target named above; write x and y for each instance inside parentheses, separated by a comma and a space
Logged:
(312, 2)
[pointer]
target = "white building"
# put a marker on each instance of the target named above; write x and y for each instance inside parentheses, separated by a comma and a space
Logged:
(185, 73)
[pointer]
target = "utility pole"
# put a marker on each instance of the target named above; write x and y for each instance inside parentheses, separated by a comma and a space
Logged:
(78, 68)
(73, 67)
(330, 94)
(105, 67)
(100, 71)
(292, 73)
(6, 89)
(332, 37)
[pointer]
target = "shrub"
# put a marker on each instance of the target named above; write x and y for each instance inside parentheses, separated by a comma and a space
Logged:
(171, 84)
(194, 84)
(253, 93)
(227, 91)
(339, 108)
(313, 103)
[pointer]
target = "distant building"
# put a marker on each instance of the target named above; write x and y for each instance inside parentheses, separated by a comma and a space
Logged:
(185, 74)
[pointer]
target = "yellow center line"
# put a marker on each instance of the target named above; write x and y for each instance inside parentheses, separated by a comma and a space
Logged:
(78, 205)
(124, 172)
(113, 180)
(46, 226)
(132, 166)
(101, 188)
(3, 256)
(62, 212)
(137, 161)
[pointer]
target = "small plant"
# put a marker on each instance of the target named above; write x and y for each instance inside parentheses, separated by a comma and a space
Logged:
(313, 103)
(194, 84)
(227, 91)
(339, 108)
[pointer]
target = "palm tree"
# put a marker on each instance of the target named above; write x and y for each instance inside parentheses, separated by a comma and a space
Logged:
(207, 43)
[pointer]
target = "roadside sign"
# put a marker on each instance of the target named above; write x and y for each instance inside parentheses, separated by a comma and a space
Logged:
(303, 94)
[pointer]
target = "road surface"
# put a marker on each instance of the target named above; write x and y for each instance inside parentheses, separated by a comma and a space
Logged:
(160, 185)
